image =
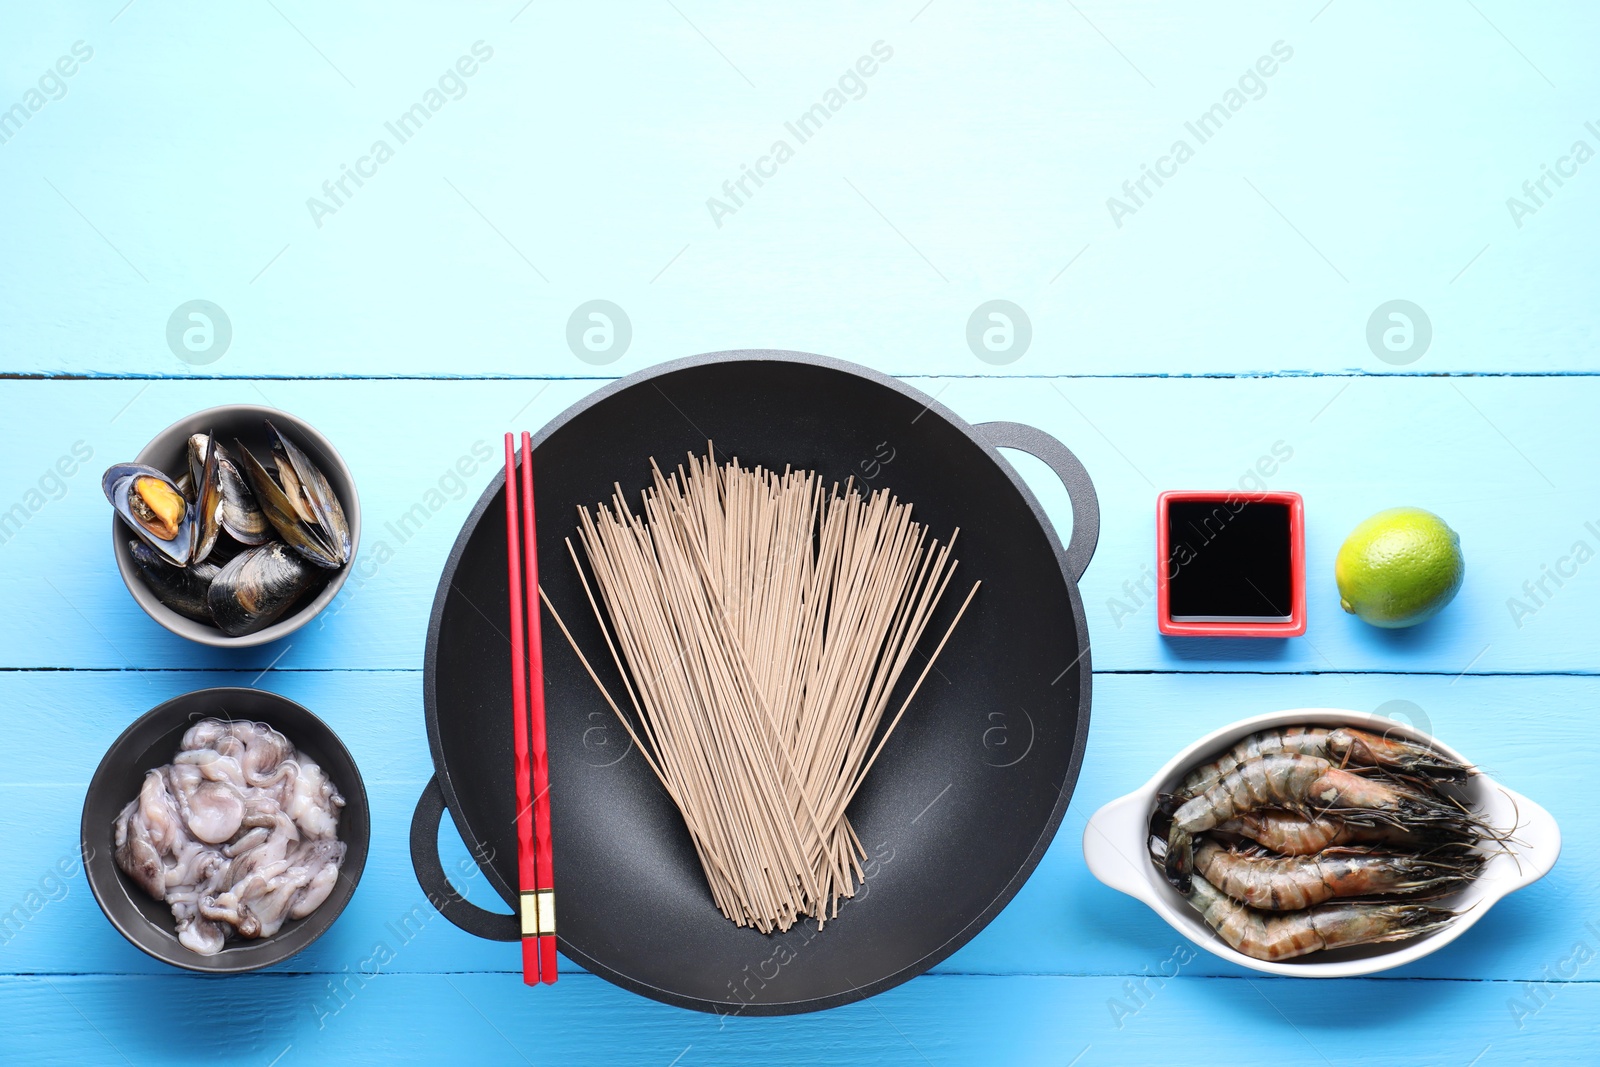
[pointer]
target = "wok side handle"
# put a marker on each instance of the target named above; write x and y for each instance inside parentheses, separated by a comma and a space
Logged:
(1067, 467)
(430, 874)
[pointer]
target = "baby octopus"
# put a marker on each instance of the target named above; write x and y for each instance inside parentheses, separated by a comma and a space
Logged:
(238, 834)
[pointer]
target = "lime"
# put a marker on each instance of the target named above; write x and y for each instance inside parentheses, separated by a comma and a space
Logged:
(1399, 568)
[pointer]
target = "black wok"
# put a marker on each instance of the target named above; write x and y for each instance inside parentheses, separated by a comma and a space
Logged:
(956, 813)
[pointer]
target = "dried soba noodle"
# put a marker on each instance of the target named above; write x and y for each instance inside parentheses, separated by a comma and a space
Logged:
(764, 623)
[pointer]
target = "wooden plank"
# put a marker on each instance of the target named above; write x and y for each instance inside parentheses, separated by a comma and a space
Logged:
(1320, 193)
(1535, 734)
(1505, 461)
(942, 1019)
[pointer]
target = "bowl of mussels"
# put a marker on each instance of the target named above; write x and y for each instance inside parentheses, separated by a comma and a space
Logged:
(235, 526)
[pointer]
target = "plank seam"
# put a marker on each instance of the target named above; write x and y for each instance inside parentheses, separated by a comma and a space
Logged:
(125, 376)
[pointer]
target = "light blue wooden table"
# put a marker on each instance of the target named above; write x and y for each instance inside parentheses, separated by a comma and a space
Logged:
(1335, 157)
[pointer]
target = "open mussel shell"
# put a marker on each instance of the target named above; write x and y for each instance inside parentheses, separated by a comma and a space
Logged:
(153, 506)
(119, 471)
(315, 494)
(299, 502)
(183, 589)
(207, 497)
(238, 514)
(256, 587)
(241, 515)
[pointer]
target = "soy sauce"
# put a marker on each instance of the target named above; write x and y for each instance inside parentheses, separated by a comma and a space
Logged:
(1229, 561)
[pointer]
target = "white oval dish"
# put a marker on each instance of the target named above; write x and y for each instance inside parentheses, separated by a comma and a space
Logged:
(1115, 847)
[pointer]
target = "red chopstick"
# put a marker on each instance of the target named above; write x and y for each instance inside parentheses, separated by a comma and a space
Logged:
(544, 852)
(527, 881)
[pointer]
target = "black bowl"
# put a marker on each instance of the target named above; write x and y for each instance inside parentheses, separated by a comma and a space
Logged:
(151, 742)
(168, 451)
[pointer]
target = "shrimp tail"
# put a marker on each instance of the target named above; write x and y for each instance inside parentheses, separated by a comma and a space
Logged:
(1175, 855)
(1178, 863)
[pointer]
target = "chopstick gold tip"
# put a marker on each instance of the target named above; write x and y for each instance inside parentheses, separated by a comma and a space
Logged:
(529, 912)
(538, 912)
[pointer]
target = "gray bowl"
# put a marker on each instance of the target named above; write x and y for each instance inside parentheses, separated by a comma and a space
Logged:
(151, 742)
(168, 452)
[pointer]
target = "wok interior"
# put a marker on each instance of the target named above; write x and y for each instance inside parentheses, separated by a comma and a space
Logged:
(952, 813)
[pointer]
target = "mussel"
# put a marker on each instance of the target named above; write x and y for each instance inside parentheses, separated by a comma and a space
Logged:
(299, 502)
(154, 507)
(183, 589)
(237, 512)
(227, 542)
(256, 587)
(207, 501)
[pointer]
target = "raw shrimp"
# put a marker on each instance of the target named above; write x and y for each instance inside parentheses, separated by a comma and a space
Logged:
(1312, 786)
(1288, 883)
(1307, 785)
(1344, 745)
(1366, 749)
(1289, 834)
(1274, 936)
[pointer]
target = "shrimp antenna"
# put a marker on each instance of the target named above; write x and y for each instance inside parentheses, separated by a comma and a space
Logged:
(1516, 824)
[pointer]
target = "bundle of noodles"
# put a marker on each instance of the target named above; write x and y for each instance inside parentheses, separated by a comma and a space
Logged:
(764, 623)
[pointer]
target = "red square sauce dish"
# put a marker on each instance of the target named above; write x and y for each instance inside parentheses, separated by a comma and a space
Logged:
(1230, 564)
